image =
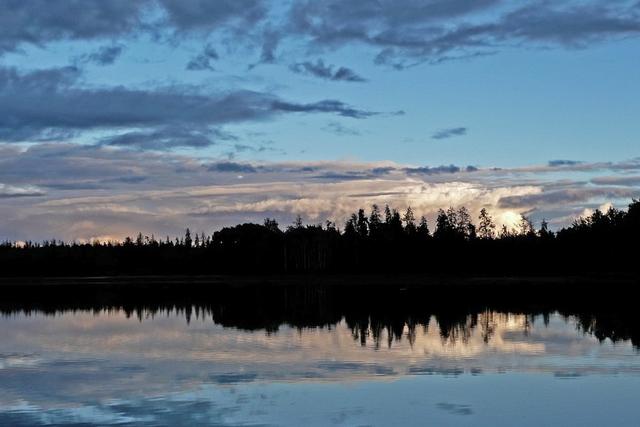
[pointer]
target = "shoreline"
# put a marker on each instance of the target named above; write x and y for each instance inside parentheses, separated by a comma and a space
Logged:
(349, 280)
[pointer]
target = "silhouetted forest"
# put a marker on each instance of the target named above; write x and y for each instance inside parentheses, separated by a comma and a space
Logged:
(373, 242)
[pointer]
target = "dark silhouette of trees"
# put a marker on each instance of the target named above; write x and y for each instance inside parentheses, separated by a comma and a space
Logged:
(375, 222)
(444, 228)
(381, 313)
(362, 224)
(423, 228)
(187, 238)
(486, 226)
(409, 221)
(371, 243)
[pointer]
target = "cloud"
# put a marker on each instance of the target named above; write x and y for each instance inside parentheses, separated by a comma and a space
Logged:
(339, 129)
(556, 163)
(426, 170)
(104, 190)
(407, 32)
(327, 72)
(630, 181)
(11, 191)
(270, 42)
(455, 408)
(401, 33)
(207, 16)
(203, 60)
(39, 104)
(327, 106)
(449, 133)
(39, 22)
(571, 195)
(106, 55)
(167, 138)
(232, 167)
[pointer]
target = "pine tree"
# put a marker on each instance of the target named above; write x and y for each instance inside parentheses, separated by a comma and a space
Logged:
(486, 228)
(443, 226)
(362, 224)
(423, 227)
(187, 238)
(409, 221)
(374, 220)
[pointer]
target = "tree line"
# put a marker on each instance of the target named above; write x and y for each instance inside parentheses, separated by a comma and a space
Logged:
(377, 241)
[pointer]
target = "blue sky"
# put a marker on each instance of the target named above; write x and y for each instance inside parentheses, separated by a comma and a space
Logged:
(492, 84)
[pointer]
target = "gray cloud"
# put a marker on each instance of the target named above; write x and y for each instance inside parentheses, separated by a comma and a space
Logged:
(12, 191)
(449, 133)
(169, 137)
(105, 190)
(402, 32)
(41, 21)
(203, 60)
(327, 72)
(204, 15)
(630, 181)
(270, 42)
(49, 102)
(555, 163)
(339, 129)
(572, 195)
(232, 167)
(439, 30)
(333, 106)
(105, 55)
(455, 408)
(426, 170)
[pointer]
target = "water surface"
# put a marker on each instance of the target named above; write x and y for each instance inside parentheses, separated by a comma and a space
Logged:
(181, 366)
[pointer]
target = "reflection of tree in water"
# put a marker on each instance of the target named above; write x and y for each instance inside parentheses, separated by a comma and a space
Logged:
(488, 325)
(456, 327)
(374, 316)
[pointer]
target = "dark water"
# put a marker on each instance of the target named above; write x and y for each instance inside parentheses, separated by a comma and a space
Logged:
(215, 364)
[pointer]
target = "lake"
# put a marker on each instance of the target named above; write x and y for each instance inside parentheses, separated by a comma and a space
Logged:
(315, 361)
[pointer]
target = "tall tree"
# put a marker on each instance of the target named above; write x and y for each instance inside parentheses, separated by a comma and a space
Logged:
(464, 226)
(486, 226)
(362, 224)
(350, 227)
(525, 227)
(444, 227)
(544, 230)
(395, 224)
(423, 227)
(375, 221)
(271, 224)
(387, 214)
(409, 221)
(187, 238)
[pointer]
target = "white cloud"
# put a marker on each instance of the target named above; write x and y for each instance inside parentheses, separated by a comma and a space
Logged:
(88, 192)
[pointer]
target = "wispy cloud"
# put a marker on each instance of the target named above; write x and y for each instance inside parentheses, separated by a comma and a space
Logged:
(48, 102)
(449, 133)
(399, 33)
(555, 163)
(105, 55)
(339, 129)
(13, 191)
(327, 72)
(104, 190)
(203, 61)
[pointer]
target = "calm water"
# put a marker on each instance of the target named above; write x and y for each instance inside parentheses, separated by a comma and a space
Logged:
(180, 367)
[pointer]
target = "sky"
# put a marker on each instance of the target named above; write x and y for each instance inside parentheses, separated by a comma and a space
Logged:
(156, 115)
